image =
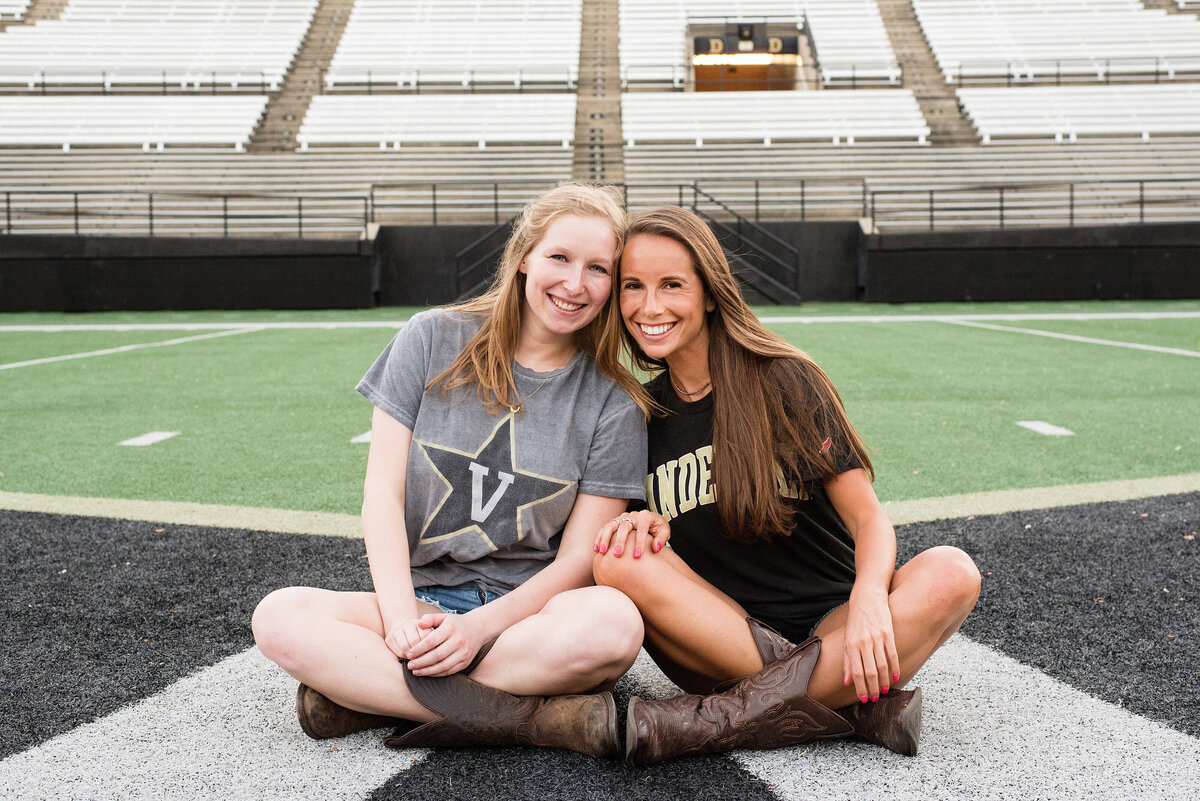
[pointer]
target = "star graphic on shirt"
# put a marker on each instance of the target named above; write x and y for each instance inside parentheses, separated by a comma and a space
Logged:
(485, 491)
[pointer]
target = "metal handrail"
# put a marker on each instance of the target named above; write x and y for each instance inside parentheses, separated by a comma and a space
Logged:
(148, 208)
(998, 200)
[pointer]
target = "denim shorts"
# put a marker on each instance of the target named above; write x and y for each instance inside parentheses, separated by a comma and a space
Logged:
(456, 600)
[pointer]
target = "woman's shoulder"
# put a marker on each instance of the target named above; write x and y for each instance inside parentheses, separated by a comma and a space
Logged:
(444, 318)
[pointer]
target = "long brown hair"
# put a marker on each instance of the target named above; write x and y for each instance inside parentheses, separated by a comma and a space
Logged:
(773, 407)
(486, 360)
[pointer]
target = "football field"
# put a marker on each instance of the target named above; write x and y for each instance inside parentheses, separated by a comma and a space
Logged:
(161, 472)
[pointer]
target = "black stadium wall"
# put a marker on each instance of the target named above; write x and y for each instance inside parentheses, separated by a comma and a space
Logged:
(1155, 261)
(112, 273)
(417, 265)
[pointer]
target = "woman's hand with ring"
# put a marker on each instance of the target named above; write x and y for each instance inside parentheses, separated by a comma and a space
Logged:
(646, 527)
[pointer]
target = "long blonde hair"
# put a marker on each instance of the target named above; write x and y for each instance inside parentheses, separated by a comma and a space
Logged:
(487, 358)
(773, 407)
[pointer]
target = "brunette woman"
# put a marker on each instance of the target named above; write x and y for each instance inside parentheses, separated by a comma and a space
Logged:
(504, 434)
(776, 534)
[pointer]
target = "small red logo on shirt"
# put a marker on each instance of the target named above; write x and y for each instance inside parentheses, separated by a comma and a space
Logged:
(827, 444)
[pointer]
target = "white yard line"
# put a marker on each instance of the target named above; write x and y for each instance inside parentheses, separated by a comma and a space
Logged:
(994, 728)
(151, 438)
(126, 348)
(1048, 429)
(770, 320)
(228, 731)
(1073, 338)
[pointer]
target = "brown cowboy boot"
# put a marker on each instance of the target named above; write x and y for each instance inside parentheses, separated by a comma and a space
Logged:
(473, 714)
(767, 709)
(321, 718)
(893, 722)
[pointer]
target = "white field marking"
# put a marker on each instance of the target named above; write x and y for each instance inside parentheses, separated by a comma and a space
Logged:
(228, 731)
(804, 319)
(1074, 338)
(150, 438)
(125, 348)
(993, 728)
(361, 438)
(1049, 429)
(290, 521)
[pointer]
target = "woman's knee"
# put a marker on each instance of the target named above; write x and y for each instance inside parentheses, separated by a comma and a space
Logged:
(277, 621)
(608, 629)
(954, 578)
(624, 573)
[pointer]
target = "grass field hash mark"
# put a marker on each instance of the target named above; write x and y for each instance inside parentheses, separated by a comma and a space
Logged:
(1074, 338)
(1047, 429)
(126, 348)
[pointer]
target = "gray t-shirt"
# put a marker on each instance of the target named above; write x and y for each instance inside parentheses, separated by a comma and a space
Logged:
(487, 496)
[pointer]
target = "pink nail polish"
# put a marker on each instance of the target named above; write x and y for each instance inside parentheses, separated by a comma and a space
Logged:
(863, 698)
(657, 547)
(895, 677)
(617, 551)
(637, 553)
(846, 681)
(603, 548)
(596, 548)
(874, 697)
(885, 690)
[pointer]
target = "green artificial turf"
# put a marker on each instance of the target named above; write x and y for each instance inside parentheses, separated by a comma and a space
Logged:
(267, 416)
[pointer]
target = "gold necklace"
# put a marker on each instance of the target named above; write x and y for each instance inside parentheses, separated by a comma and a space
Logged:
(521, 402)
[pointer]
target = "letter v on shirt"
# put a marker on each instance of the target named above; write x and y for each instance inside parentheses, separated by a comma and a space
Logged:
(479, 512)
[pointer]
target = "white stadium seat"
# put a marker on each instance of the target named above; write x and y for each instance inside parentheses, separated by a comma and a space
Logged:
(148, 121)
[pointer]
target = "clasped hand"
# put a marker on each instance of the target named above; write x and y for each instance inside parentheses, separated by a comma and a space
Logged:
(870, 659)
(645, 527)
(436, 644)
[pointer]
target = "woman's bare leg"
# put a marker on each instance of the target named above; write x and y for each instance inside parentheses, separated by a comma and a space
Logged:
(699, 628)
(333, 642)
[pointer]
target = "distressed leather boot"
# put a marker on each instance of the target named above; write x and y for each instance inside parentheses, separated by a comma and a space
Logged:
(893, 722)
(767, 709)
(321, 718)
(475, 715)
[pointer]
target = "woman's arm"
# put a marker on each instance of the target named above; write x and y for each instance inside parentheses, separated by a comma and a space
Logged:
(453, 640)
(385, 533)
(870, 658)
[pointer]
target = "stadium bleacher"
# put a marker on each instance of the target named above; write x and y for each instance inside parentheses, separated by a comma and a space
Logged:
(129, 120)
(1067, 112)
(395, 120)
(420, 42)
(501, 104)
(13, 9)
(768, 117)
(1025, 40)
(189, 43)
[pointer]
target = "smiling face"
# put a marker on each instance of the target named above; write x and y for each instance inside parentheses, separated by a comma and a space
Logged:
(663, 301)
(568, 275)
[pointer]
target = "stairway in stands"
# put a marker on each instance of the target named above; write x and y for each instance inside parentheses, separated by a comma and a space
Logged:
(1170, 6)
(38, 10)
(947, 124)
(276, 131)
(599, 145)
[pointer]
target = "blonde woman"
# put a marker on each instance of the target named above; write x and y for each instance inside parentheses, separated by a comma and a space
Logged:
(505, 432)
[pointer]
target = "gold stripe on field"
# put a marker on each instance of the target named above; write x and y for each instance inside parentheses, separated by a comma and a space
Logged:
(290, 521)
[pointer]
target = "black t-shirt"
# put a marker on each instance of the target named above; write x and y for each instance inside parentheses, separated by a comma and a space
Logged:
(788, 582)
